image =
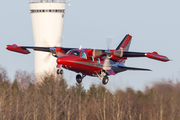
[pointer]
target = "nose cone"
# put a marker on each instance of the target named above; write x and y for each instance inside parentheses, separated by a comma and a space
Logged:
(62, 60)
(59, 61)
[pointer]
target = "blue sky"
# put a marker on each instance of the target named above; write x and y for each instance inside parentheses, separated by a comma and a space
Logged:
(154, 26)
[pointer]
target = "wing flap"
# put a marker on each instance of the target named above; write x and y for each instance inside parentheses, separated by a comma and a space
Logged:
(133, 68)
(110, 72)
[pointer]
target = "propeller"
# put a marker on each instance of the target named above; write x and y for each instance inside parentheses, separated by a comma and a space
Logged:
(47, 58)
(97, 52)
(118, 53)
(107, 64)
(109, 41)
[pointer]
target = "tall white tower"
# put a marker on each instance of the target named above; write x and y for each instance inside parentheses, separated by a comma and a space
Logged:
(47, 18)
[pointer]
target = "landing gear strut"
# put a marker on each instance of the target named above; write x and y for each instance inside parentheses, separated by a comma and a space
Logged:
(79, 78)
(59, 71)
(103, 76)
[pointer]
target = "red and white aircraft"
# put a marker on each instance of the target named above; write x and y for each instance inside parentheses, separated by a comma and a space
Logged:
(92, 62)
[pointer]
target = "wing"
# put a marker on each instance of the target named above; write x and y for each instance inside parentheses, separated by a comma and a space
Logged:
(117, 54)
(56, 51)
(153, 55)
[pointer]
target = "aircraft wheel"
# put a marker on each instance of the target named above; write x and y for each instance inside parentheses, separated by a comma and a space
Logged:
(78, 78)
(105, 80)
(59, 71)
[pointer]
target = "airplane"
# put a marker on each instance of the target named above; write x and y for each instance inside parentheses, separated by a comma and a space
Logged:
(92, 62)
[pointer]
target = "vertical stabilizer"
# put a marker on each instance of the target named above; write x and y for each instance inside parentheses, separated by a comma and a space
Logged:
(124, 46)
(125, 43)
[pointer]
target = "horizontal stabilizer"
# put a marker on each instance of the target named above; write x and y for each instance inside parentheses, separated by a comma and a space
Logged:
(132, 68)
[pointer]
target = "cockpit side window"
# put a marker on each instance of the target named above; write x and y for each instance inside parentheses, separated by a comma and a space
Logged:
(83, 55)
(75, 53)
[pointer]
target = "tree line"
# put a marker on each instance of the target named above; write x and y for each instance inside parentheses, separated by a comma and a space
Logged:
(53, 99)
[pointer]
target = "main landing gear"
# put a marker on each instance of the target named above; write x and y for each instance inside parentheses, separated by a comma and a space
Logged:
(79, 78)
(103, 76)
(105, 80)
(59, 71)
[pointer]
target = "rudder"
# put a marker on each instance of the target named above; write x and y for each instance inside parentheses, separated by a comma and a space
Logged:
(125, 43)
(124, 46)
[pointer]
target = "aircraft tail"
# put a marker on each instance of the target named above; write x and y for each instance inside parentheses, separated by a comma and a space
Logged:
(125, 43)
(124, 46)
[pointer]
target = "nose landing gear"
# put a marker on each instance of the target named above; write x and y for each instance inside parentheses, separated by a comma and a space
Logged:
(59, 71)
(79, 78)
(105, 80)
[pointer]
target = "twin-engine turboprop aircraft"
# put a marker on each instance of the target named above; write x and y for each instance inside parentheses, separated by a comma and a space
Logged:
(92, 62)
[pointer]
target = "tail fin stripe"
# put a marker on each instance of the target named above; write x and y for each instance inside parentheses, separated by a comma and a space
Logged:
(125, 43)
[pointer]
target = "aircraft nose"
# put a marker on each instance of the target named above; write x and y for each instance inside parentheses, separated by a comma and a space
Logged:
(58, 60)
(62, 60)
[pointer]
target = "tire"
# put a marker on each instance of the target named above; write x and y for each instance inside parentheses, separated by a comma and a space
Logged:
(78, 78)
(59, 71)
(105, 80)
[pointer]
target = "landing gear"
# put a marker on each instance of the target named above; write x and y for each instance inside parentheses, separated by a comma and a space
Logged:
(103, 76)
(59, 71)
(105, 80)
(79, 78)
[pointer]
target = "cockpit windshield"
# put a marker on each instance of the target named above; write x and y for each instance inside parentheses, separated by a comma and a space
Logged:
(75, 53)
(68, 52)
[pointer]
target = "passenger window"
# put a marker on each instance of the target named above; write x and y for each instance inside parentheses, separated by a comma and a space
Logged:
(98, 60)
(92, 59)
(83, 55)
(75, 53)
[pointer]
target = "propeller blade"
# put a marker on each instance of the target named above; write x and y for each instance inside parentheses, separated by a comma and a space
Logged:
(47, 58)
(109, 41)
(97, 53)
(118, 53)
(107, 64)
